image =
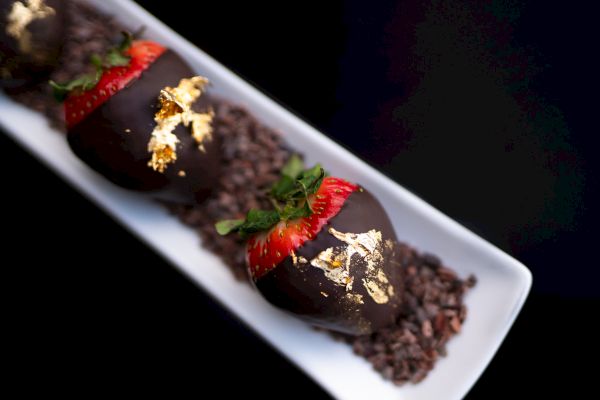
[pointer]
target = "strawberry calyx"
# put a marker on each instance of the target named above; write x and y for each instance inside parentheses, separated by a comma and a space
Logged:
(119, 66)
(114, 57)
(289, 197)
(268, 249)
(303, 202)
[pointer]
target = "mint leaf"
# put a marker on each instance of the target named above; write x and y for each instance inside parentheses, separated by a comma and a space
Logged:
(293, 167)
(227, 226)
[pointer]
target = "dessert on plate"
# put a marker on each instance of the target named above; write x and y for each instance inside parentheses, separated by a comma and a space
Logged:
(320, 247)
(325, 252)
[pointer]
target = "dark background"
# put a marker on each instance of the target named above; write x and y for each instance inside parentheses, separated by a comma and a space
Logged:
(486, 109)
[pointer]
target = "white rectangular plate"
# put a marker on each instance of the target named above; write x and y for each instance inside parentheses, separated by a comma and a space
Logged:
(503, 282)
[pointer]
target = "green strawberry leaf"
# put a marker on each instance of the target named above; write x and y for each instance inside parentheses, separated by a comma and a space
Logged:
(84, 82)
(114, 57)
(128, 39)
(292, 211)
(283, 188)
(255, 221)
(228, 225)
(293, 167)
(289, 196)
(259, 220)
(310, 180)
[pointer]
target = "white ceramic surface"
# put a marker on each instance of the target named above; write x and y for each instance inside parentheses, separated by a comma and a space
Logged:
(503, 282)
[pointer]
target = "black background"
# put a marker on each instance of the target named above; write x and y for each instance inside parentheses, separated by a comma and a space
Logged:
(486, 109)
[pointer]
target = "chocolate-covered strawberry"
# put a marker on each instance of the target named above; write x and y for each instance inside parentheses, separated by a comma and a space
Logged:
(325, 253)
(31, 36)
(144, 122)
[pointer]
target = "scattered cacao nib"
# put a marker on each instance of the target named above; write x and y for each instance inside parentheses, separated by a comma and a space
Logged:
(253, 155)
(433, 312)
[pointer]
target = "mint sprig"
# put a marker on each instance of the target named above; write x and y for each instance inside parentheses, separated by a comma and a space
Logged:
(289, 197)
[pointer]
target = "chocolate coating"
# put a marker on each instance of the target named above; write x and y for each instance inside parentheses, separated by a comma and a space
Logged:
(303, 289)
(19, 68)
(113, 139)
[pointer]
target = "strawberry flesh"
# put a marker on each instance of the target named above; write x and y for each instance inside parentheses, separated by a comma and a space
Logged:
(267, 250)
(78, 105)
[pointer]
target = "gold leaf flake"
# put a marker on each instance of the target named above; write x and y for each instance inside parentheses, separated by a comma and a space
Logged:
(336, 262)
(378, 295)
(21, 15)
(163, 146)
(361, 243)
(202, 128)
(185, 94)
(176, 108)
(355, 298)
(294, 258)
(297, 259)
(330, 262)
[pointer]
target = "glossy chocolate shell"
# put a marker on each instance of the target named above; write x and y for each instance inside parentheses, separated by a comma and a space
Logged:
(301, 288)
(113, 139)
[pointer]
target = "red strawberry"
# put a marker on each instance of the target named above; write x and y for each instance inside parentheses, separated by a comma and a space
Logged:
(115, 123)
(79, 104)
(326, 253)
(267, 249)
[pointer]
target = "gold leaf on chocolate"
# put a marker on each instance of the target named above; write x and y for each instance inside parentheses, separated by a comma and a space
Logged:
(163, 144)
(336, 262)
(355, 298)
(21, 15)
(176, 108)
(202, 128)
